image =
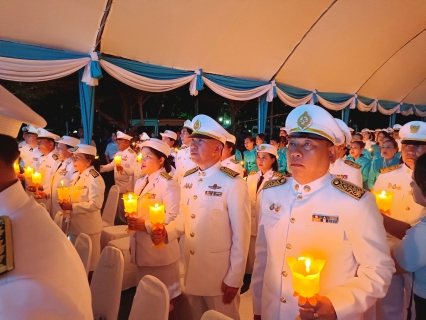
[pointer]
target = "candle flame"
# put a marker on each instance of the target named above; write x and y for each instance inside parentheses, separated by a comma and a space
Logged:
(307, 263)
(62, 183)
(130, 196)
(383, 192)
(156, 205)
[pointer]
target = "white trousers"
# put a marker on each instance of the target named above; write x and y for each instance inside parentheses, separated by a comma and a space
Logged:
(201, 304)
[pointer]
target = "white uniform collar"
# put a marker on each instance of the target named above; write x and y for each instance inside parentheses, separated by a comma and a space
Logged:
(407, 171)
(12, 199)
(311, 187)
(338, 162)
(155, 174)
(210, 171)
(230, 158)
(268, 174)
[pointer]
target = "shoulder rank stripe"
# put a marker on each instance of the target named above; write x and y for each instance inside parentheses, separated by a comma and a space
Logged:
(352, 164)
(166, 176)
(274, 183)
(349, 188)
(389, 169)
(94, 173)
(55, 157)
(229, 172)
(182, 147)
(130, 150)
(277, 174)
(190, 171)
(235, 161)
(6, 245)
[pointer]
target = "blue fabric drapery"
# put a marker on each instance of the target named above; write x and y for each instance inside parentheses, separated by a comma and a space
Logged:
(87, 105)
(235, 83)
(262, 113)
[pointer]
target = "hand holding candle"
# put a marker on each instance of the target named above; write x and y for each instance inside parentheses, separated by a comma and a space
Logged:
(157, 218)
(305, 273)
(117, 160)
(384, 201)
(36, 178)
(63, 193)
(28, 172)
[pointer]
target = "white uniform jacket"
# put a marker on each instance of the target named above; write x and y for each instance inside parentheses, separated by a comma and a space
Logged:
(123, 180)
(160, 189)
(87, 196)
(234, 165)
(346, 230)
(65, 172)
(37, 288)
(31, 156)
(345, 170)
(183, 163)
(255, 197)
(48, 165)
(215, 218)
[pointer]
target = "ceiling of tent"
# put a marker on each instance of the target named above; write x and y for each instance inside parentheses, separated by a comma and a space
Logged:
(374, 48)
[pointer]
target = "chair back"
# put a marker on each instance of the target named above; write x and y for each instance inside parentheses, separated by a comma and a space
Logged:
(106, 284)
(58, 219)
(108, 214)
(83, 245)
(151, 300)
(214, 315)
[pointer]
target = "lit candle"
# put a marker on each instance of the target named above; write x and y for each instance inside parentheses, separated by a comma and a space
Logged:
(176, 150)
(130, 204)
(117, 160)
(157, 217)
(63, 193)
(28, 172)
(384, 201)
(139, 157)
(305, 273)
(36, 178)
(16, 168)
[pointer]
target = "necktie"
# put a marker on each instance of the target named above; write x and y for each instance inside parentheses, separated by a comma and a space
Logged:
(77, 180)
(259, 182)
(144, 186)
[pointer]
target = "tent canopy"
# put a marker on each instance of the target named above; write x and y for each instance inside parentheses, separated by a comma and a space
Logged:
(375, 49)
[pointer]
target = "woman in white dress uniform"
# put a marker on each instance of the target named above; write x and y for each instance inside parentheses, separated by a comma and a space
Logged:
(156, 186)
(267, 163)
(87, 190)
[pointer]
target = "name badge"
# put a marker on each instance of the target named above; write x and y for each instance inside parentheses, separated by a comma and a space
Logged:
(325, 219)
(213, 194)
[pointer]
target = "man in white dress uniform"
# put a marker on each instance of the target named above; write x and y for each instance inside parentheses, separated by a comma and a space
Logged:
(317, 215)
(215, 218)
(41, 274)
(228, 155)
(183, 158)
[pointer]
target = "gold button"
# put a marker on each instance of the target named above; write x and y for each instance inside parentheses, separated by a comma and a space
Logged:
(407, 208)
(195, 197)
(299, 197)
(192, 234)
(296, 187)
(193, 216)
(285, 274)
(292, 220)
(200, 180)
(307, 188)
(192, 251)
(288, 246)
(283, 300)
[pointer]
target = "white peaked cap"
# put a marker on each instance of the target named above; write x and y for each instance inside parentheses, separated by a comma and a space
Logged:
(144, 136)
(31, 129)
(122, 135)
(85, 149)
(188, 124)
(231, 138)
(69, 141)
(397, 127)
(13, 112)
(42, 133)
(345, 129)
(205, 126)
(158, 145)
(413, 131)
(313, 119)
(264, 147)
(169, 134)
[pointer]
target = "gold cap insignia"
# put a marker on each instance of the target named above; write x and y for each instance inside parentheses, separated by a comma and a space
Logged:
(414, 129)
(197, 125)
(304, 120)
(261, 148)
(38, 132)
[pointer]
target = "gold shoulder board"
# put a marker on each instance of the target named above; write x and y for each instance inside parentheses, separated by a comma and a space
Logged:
(131, 150)
(55, 157)
(349, 188)
(166, 176)
(235, 161)
(389, 169)
(277, 174)
(6, 245)
(94, 173)
(182, 147)
(252, 173)
(274, 183)
(190, 171)
(352, 164)
(229, 172)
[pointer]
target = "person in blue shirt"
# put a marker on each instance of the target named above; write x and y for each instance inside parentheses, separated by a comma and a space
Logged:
(260, 138)
(389, 157)
(282, 157)
(250, 155)
(357, 157)
(238, 155)
(111, 149)
(358, 137)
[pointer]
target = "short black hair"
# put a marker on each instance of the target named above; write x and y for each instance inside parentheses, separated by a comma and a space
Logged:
(187, 129)
(9, 151)
(261, 136)
(419, 173)
(231, 146)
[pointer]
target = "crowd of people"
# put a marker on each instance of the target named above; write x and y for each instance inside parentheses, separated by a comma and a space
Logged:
(306, 193)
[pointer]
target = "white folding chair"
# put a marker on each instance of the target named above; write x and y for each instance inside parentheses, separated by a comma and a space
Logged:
(214, 315)
(108, 214)
(83, 245)
(106, 284)
(151, 300)
(58, 219)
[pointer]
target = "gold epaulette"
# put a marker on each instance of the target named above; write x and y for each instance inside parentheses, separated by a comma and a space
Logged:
(391, 168)
(182, 147)
(55, 157)
(6, 245)
(166, 176)
(190, 171)
(349, 188)
(353, 164)
(94, 173)
(235, 161)
(130, 150)
(142, 176)
(229, 172)
(274, 183)
(279, 175)
(252, 173)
